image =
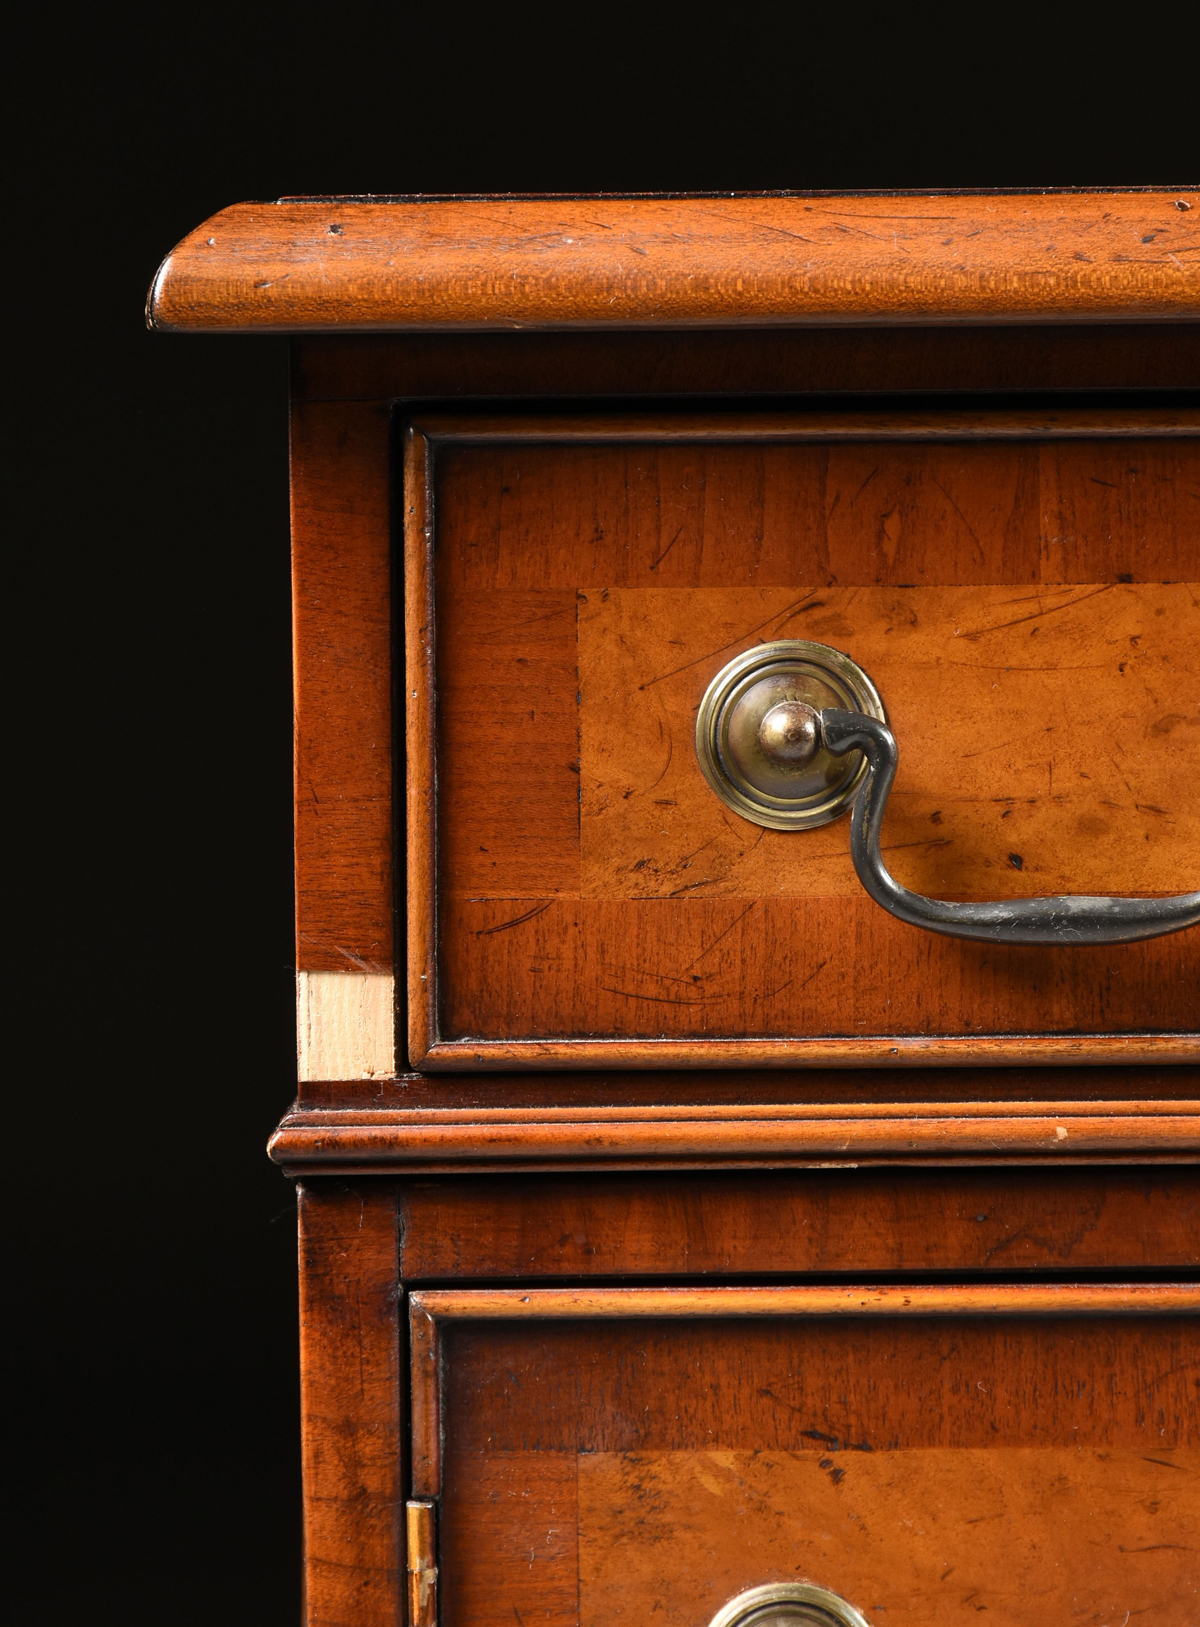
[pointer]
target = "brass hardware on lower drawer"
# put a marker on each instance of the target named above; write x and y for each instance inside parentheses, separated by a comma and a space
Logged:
(788, 1604)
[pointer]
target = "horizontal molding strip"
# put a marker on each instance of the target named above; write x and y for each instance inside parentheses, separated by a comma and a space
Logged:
(1079, 423)
(599, 1137)
(1005, 1299)
(463, 264)
(890, 1050)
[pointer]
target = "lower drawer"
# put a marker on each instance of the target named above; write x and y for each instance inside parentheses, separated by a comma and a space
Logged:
(926, 1453)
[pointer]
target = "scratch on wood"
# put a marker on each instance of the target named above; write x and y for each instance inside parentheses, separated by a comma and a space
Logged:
(503, 926)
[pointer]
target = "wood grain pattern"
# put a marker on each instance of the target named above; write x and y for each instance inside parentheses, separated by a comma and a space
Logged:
(742, 362)
(420, 737)
(916, 1299)
(729, 1225)
(306, 266)
(841, 527)
(924, 1537)
(352, 1406)
(1060, 723)
(341, 575)
(626, 969)
(346, 1025)
(519, 1392)
(527, 1523)
(656, 1137)
(432, 1312)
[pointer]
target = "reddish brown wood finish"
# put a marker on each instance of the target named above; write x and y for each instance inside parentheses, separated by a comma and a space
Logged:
(537, 1383)
(310, 265)
(830, 1222)
(352, 1399)
(531, 963)
(812, 1261)
(432, 1312)
(690, 1138)
(341, 563)
(914, 1536)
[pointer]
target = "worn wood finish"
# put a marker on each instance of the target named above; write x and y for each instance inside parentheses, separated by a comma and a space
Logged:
(600, 565)
(841, 1222)
(1028, 805)
(747, 1234)
(341, 575)
(306, 265)
(742, 362)
(919, 1299)
(352, 1399)
(433, 1313)
(525, 1401)
(368, 1140)
(926, 1537)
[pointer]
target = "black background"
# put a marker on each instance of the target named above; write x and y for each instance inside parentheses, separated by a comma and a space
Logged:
(151, 1363)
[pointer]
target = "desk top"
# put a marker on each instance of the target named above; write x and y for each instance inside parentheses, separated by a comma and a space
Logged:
(375, 264)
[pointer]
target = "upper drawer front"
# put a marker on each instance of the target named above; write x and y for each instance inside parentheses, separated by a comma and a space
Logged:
(1022, 593)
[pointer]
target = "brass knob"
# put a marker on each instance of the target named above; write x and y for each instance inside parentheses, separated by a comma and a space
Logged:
(790, 733)
(758, 733)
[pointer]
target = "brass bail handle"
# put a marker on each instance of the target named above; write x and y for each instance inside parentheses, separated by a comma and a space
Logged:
(793, 733)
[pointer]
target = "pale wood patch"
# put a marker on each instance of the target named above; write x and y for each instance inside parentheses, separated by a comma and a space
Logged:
(345, 1025)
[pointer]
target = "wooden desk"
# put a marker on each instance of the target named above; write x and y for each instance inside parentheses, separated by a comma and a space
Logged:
(676, 1221)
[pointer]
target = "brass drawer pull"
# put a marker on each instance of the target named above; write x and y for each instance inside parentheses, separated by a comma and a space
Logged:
(788, 1604)
(1073, 918)
(775, 735)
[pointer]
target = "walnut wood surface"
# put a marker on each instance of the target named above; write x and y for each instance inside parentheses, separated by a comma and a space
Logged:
(352, 1398)
(656, 1137)
(310, 265)
(796, 362)
(439, 1317)
(912, 1536)
(842, 1222)
(1115, 664)
(529, 1404)
(917, 1299)
(341, 568)
(1016, 520)
(580, 1420)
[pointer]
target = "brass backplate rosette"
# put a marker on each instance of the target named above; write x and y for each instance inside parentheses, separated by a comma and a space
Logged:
(788, 1604)
(790, 674)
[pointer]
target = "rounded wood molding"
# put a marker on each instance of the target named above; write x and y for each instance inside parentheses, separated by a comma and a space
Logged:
(373, 264)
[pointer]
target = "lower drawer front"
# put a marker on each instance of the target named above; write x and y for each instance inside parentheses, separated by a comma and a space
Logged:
(925, 1454)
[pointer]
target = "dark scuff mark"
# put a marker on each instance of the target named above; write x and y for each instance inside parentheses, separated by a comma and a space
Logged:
(503, 926)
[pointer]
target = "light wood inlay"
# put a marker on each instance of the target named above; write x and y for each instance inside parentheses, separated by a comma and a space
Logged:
(345, 1024)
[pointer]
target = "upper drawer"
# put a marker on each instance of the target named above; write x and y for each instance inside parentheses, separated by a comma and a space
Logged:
(1019, 589)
